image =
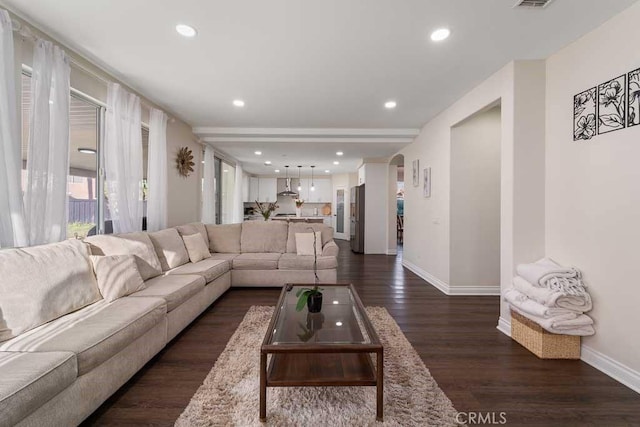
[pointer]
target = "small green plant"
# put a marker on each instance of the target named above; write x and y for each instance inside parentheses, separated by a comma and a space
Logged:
(266, 209)
(299, 203)
(304, 294)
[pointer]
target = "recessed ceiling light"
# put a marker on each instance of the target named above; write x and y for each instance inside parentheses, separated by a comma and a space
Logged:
(186, 30)
(87, 150)
(336, 162)
(226, 170)
(258, 153)
(268, 162)
(390, 104)
(327, 171)
(440, 34)
(339, 153)
(238, 102)
(277, 171)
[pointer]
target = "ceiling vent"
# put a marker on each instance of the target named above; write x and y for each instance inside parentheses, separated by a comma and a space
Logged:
(533, 4)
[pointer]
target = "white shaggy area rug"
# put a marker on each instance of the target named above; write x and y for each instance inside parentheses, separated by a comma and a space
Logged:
(230, 395)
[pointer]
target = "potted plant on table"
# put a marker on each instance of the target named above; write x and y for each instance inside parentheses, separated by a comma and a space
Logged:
(311, 297)
(266, 209)
(299, 203)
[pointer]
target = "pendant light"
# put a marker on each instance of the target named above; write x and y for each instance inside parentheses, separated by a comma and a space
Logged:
(299, 183)
(313, 187)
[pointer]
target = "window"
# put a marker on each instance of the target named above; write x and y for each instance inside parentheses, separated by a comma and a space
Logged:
(227, 183)
(82, 182)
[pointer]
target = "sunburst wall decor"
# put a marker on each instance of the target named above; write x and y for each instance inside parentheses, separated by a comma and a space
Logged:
(184, 161)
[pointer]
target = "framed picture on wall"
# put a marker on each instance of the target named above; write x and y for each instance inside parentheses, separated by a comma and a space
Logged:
(584, 115)
(416, 172)
(633, 95)
(611, 105)
(426, 190)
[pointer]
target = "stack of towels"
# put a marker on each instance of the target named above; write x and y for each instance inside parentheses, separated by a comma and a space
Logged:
(552, 296)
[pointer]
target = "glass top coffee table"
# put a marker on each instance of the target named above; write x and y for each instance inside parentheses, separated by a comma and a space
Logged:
(335, 347)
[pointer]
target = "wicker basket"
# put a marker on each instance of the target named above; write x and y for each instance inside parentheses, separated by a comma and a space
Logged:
(542, 343)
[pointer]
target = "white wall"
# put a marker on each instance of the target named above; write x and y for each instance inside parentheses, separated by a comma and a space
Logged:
(592, 193)
(375, 205)
(427, 220)
(475, 201)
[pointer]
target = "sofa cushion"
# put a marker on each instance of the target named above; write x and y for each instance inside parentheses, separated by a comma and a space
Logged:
(305, 227)
(305, 262)
(224, 238)
(209, 268)
(192, 228)
(256, 261)
(309, 243)
(226, 257)
(169, 248)
(264, 236)
(174, 289)
(117, 275)
(29, 380)
(95, 333)
(137, 244)
(42, 283)
(196, 247)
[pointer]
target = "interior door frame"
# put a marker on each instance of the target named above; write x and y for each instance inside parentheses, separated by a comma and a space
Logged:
(334, 220)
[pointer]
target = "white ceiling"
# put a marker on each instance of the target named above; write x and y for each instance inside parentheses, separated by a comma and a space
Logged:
(304, 64)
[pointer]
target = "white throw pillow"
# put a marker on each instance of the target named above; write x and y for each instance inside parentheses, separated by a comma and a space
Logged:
(118, 275)
(196, 247)
(304, 243)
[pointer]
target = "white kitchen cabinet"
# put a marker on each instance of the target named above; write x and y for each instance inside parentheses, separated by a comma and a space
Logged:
(304, 192)
(254, 189)
(323, 191)
(268, 190)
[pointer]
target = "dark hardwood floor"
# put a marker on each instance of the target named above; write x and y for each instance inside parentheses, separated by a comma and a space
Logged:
(478, 367)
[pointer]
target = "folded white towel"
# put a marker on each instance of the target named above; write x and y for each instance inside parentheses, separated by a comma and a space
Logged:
(544, 269)
(552, 298)
(580, 325)
(529, 306)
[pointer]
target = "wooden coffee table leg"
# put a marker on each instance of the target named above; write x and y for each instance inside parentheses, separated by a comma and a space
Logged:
(263, 386)
(379, 385)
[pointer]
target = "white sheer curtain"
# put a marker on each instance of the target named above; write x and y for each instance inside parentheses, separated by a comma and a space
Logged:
(157, 171)
(208, 214)
(238, 205)
(123, 159)
(46, 202)
(12, 227)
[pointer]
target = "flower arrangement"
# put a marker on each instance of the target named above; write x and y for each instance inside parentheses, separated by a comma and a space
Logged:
(266, 209)
(311, 297)
(299, 203)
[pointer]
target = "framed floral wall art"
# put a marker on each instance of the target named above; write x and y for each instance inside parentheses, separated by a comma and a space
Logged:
(416, 172)
(611, 105)
(633, 95)
(426, 190)
(584, 115)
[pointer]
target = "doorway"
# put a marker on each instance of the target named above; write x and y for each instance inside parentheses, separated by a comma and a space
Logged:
(341, 230)
(475, 200)
(396, 205)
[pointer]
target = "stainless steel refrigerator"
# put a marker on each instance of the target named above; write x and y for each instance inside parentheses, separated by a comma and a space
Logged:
(357, 219)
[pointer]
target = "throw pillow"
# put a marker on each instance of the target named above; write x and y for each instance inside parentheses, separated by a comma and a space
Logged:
(117, 275)
(196, 247)
(304, 243)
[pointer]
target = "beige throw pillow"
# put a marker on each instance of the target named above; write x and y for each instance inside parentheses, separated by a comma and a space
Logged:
(118, 276)
(304, 243)
(196, 247)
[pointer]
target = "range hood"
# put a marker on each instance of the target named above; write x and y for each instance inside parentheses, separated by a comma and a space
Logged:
(287, 191)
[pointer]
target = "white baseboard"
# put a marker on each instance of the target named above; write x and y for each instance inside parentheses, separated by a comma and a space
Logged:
(504, 326)
(451, 290)
(392, 252)
(613, 368)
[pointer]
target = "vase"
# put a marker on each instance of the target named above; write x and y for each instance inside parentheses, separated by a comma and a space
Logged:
(298, 212)
(314, 302)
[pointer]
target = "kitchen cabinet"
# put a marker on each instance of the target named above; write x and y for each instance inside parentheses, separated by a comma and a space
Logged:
(323, 191)
(254, 187)
(267, 190)
(304, 192)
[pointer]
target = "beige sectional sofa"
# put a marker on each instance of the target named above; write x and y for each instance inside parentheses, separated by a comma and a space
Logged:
(64, 349)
